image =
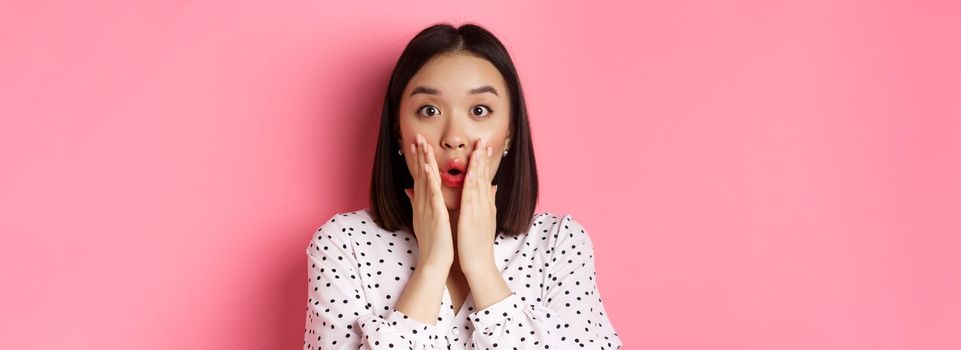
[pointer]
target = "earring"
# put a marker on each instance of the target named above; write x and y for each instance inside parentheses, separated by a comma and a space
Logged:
(399, 152)
(505, 152)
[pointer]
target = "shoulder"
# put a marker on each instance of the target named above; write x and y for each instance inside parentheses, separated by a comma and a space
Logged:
(556, 229)
(338, 228)
(347, 220)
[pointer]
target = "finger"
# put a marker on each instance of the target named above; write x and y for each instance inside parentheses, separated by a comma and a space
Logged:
(412, 156)
(425, 160)
(488, 173)
(483, 158)
(422, 192)
(471, 165)
(424, 195)
(433, 182)
(432, 161)
(474, 176)
(417, 153)
(487, 151)
(490, 161)
(425, 187)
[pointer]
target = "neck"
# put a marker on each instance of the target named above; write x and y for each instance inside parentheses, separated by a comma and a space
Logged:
(453, 215)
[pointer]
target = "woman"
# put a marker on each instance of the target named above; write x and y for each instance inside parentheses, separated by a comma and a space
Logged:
(458, 263)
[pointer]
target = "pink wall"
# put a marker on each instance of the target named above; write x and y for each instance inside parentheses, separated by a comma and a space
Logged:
(756, 174)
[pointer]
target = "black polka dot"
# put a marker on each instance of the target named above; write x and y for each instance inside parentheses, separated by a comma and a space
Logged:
(355, 268)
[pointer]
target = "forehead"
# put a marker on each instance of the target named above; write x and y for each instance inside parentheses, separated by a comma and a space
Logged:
(456, 73)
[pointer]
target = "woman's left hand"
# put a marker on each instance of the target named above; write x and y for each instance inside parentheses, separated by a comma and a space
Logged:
(477, 221)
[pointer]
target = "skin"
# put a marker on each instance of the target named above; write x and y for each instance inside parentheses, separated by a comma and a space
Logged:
(454, 226)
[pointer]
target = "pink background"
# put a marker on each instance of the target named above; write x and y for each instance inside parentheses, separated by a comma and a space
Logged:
(755, 174)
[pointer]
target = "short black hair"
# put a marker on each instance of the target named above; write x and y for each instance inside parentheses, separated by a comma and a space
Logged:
(516, 177)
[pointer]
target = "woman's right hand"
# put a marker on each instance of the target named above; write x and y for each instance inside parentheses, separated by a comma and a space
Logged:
(431, 221)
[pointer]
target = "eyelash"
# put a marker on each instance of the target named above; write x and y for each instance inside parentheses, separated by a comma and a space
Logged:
(489, 110)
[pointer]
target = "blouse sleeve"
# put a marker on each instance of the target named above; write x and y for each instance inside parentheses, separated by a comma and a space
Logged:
(338, 313)
(569, 314)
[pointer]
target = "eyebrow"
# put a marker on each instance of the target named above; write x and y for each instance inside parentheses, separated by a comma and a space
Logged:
(433, 91)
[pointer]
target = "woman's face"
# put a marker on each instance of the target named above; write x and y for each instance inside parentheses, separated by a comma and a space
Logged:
(453, 101)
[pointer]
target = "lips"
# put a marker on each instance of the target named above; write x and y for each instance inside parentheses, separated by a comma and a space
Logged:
(452, 173)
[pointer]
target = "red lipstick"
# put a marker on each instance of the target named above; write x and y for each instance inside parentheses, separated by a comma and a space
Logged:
(453, 172)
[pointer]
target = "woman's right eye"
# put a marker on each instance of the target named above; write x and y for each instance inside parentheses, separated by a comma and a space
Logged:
(428, 110)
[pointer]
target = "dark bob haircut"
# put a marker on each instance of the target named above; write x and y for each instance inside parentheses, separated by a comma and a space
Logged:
(516, 177)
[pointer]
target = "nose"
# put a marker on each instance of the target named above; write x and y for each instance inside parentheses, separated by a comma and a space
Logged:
(454, 138)
(458, 135)
(453, 142)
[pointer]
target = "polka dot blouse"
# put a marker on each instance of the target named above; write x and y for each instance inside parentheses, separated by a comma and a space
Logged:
(357, 271)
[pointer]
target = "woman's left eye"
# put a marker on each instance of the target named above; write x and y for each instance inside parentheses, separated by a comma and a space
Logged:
(481, 110)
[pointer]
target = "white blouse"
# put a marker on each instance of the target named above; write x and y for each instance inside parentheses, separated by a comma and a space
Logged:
(357, 271)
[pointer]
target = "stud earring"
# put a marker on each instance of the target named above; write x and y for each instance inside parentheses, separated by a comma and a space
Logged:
(399, 152)
(505, 152)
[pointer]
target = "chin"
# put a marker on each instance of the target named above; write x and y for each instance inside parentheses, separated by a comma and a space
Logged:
(451, 198)
(452, 205)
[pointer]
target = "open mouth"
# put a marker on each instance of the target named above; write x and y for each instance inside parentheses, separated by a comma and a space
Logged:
(453, 177)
